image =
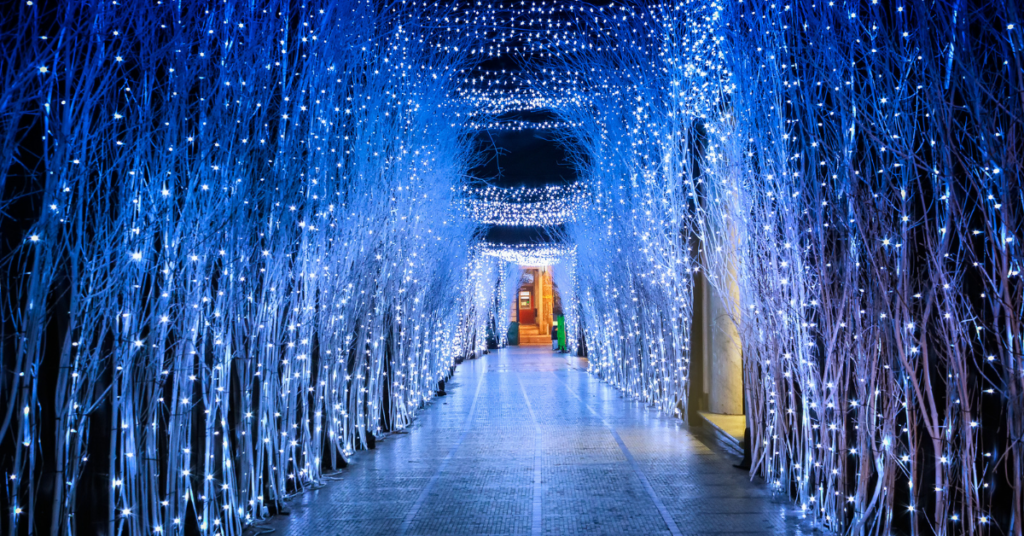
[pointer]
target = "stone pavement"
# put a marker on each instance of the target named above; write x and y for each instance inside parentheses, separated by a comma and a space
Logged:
(527, 443)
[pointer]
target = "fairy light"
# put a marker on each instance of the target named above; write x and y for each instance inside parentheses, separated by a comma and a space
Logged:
(528, 254)
(275, 244)
(771, 202)
(520, 207)
(284, 319)
(509, 125)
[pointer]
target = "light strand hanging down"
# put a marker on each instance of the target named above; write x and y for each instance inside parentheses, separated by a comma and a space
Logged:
(247, 258)
(858, 229)
(238, 241)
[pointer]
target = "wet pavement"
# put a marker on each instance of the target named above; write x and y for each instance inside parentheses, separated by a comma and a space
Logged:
(527, 443)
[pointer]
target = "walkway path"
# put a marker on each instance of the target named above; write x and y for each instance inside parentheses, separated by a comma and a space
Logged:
(525, 443)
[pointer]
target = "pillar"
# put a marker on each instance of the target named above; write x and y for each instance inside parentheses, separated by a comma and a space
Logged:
(725, 393)
(725, 374)
(538, 296)
(547, 300)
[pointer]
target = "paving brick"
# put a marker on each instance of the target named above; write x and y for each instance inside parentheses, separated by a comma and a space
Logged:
(536, 414)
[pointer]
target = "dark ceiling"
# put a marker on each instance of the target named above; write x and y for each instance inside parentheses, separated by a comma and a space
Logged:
(529, 157)
(501, 234)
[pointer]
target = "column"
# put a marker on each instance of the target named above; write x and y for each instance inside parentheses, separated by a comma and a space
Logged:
(725, 392)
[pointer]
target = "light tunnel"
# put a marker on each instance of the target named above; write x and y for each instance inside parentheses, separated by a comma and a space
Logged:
(242, 241)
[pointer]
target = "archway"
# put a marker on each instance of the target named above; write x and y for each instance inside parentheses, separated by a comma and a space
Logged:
(536, 306)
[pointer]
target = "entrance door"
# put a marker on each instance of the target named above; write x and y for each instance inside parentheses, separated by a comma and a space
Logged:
(525, 304)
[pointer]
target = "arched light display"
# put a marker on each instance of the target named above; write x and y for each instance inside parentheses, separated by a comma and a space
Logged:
(518, 126)
(236, 240)
(529, 254)
(524, 207)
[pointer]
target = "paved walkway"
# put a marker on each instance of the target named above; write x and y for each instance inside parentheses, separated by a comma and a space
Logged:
(525, 443)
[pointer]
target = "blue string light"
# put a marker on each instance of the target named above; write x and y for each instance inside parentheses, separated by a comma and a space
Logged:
(239, 240)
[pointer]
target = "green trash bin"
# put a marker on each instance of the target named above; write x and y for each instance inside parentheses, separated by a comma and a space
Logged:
(513, 334)
(561, 334)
